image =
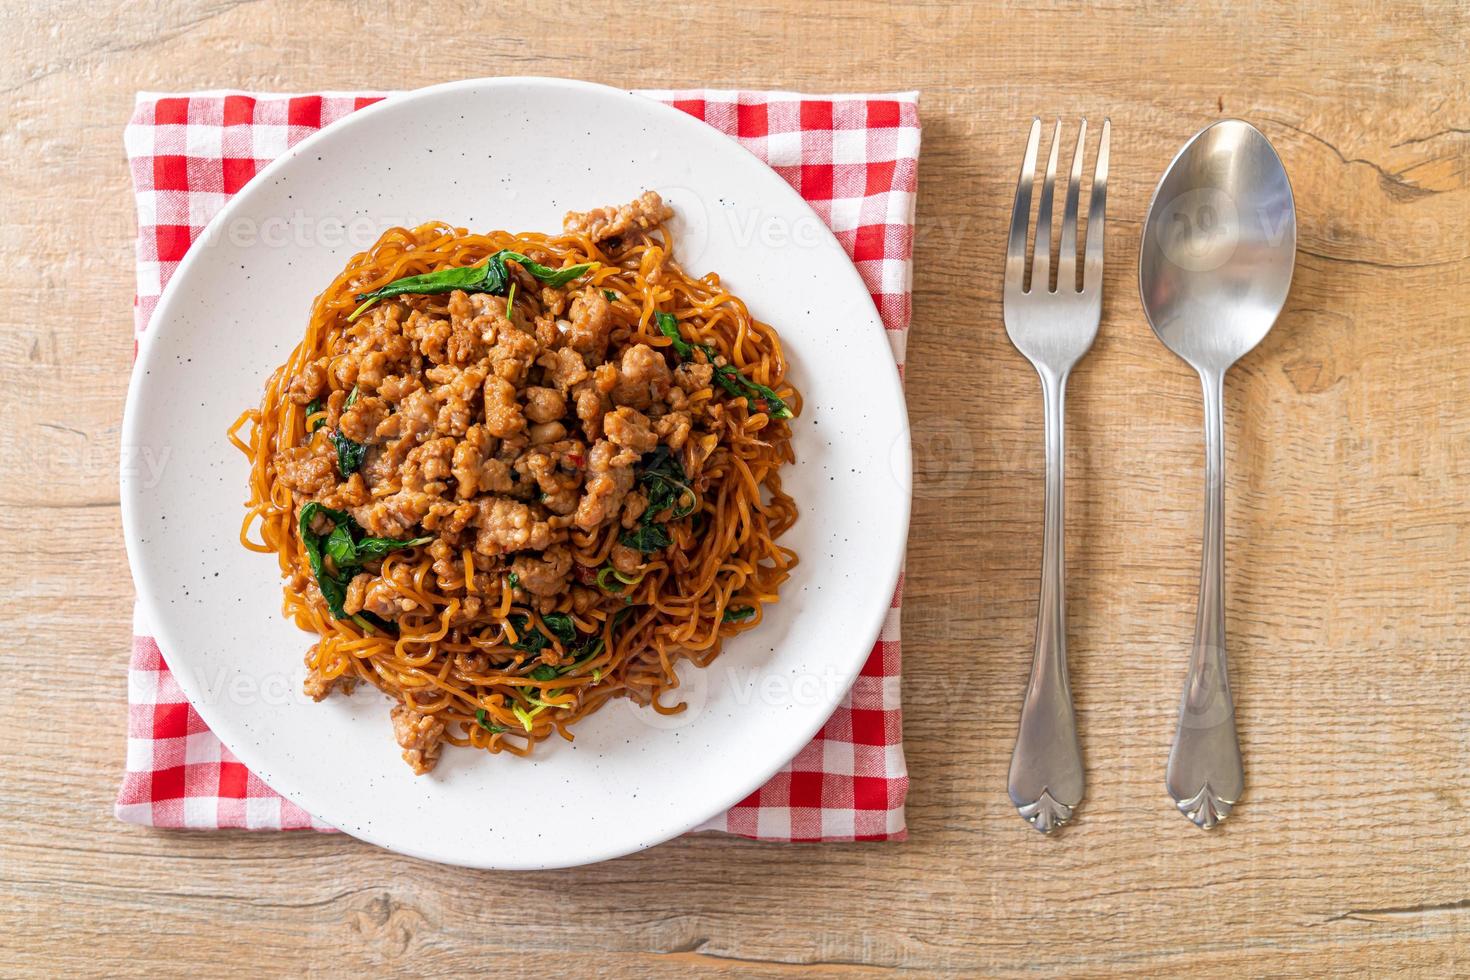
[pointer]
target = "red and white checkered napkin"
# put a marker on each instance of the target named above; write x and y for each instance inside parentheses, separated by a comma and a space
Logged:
(853, 157)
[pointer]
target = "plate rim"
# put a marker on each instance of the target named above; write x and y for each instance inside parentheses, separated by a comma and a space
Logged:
(132, 502)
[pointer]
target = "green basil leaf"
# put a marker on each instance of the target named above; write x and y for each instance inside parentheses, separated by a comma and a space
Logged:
(761, 398)
(349, 454)
(561, 626)
(663, 481)
(589, 648)
(530, 640)
(333, 590)
(488, 277)
(585, 652)
(371, 548)
(552, 277)
(544, 672)
(332, 587)
(312, 409)
(375, 620)
(497, 278)
(340, 547)
(669, 327)
(646, 538)
(348, 550)
(467, 277)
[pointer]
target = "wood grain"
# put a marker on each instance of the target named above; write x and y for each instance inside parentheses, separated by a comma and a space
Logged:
(1349, 579)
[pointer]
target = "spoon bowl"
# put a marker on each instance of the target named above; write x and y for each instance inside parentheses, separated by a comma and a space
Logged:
(1219, 247)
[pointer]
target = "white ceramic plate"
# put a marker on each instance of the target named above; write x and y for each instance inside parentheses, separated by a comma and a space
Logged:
(517, 154)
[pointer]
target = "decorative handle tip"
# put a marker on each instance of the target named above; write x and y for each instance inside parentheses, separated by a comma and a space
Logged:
(1046, 814)
(1205, 809)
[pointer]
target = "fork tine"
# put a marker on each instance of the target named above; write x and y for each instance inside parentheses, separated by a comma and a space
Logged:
(1021, 212)
(1067, 255)
(1041, 260)
(1093, 264)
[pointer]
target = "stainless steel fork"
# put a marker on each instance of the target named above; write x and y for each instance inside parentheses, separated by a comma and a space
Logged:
(1053, 328)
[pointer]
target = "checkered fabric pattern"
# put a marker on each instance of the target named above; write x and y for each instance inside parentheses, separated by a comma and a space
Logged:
(854, 158)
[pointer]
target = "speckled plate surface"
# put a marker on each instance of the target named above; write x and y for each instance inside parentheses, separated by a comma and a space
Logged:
(515, 154)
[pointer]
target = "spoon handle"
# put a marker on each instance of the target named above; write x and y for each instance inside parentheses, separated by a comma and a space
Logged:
(1205, 776)
(1045, 781)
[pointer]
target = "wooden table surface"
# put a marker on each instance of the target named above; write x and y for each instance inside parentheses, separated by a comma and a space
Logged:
(1349, 529)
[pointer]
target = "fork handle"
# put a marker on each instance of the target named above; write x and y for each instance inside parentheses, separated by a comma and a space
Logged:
(1205, 775)
(1046, 780)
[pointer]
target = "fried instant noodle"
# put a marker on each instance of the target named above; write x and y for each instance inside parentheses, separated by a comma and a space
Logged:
(505, 503)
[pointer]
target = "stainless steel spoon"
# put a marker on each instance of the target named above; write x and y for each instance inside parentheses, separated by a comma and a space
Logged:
(1219, 245)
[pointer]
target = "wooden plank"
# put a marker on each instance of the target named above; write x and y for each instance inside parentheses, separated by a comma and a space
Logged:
(1349, 454)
